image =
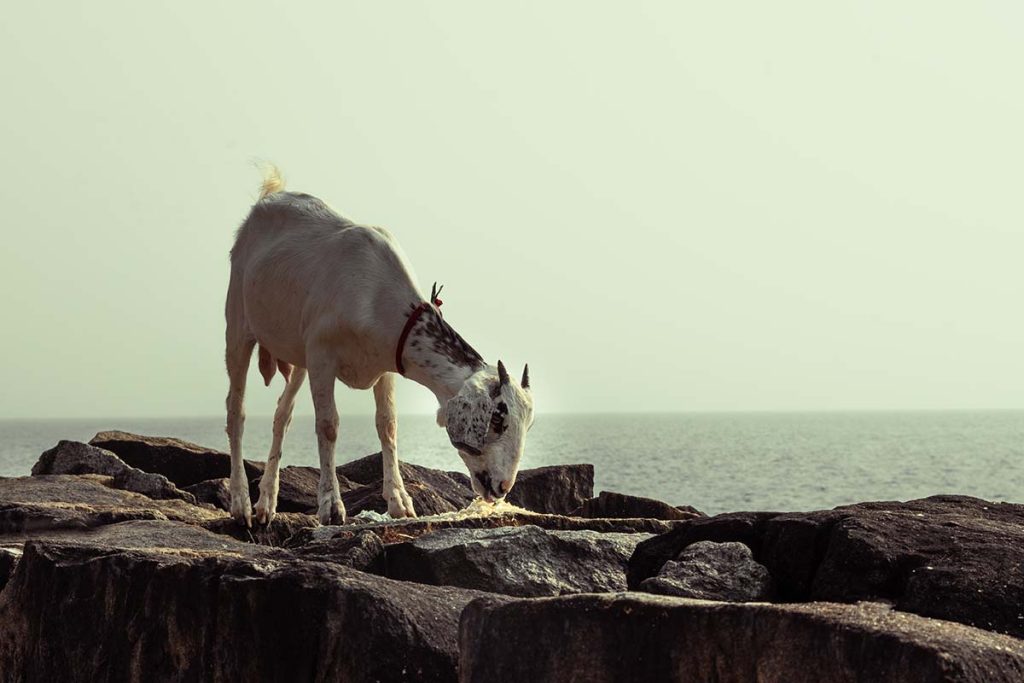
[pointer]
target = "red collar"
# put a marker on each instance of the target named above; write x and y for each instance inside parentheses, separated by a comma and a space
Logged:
(410, 321)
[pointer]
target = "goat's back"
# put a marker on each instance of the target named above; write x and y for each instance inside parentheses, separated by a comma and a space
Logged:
(295, 259)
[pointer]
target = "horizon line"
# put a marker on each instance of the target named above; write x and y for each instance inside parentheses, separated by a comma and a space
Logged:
(742, 411)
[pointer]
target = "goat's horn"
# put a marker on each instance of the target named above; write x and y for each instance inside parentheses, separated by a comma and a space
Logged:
(525, 384)
(502, 373)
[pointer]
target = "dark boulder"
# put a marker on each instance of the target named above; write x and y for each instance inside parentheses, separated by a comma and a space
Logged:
(554, 490)
(652, 554)
(525, 561)
(713, 571)
(8, 561)
(636, 637)
(193, 616)
(949, 557)
(166, 536)
(425, 500)
(621, 505)
(370, 471)
(215, 492)
(44, 503)
(182, 462)
(277, 533)
(151, 485)
(297, 489)
(362, 550)
(461, 478)
(73, 457)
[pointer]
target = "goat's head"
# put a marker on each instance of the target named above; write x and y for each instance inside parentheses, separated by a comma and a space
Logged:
(487, 422)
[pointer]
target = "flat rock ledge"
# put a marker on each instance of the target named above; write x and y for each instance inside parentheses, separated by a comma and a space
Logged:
(119, 562)
(638, 637)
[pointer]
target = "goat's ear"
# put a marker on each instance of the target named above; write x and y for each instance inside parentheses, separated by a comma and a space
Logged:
(467, 420)
(525, 384)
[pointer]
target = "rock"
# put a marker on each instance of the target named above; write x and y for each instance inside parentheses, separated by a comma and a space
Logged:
(559, 489)
(461, 478)
(182, 462)
(370, 470)
(425, 500)
(609, 504)
(361, 550)
(151, 485)
(31, 505)
(297, 489)
(188, 616)
(401, 530)
(713, 571)
(948, 557)
(525, 561)
(73, 457)
(652, 554)
(8, 561)
(638, 637)
(555, 490)
(187, 540)
(215, 492)
(277, 533)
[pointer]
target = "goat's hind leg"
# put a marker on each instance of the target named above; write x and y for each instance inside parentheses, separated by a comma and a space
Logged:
(266, 506)
(399, 502)
(237, 357)
(330, 509)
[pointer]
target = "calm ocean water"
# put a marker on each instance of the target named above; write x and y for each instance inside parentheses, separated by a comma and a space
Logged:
(715, 462)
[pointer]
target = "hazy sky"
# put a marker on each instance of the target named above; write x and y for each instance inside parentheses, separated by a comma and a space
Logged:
(658, 205)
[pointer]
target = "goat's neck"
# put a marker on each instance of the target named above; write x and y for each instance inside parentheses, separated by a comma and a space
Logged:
(438, 358)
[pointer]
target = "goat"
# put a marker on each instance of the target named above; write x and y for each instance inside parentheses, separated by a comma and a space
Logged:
(323, 296)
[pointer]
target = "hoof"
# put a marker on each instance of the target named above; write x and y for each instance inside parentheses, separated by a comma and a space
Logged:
(241, 510)
(400, 506)
(332, 513)
(264, 513)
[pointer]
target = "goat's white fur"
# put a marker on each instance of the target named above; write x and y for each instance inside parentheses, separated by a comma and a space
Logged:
(329, 298)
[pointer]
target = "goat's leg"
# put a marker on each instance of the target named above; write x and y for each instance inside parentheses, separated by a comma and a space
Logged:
(238, 354)
(399, 502)
(330, 509)
(266, 506)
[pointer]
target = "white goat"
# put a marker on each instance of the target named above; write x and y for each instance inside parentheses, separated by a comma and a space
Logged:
(322, 295)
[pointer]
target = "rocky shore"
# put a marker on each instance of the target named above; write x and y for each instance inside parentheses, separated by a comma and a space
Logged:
(118, 561)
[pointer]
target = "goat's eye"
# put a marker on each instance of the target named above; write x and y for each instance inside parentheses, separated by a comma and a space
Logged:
(497, 422)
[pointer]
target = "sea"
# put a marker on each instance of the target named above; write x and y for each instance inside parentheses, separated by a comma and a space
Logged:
(716, 462)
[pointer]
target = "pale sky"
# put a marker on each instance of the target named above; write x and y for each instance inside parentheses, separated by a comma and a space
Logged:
(660, 206)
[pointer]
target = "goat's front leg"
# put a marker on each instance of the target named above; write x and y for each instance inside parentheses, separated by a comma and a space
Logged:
(330, 509)
(266, 506)
(399, 502)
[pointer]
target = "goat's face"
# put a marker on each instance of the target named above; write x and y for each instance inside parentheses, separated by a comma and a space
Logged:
(487, 422)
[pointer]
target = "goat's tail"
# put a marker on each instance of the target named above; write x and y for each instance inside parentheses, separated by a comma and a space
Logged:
(273, 181)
